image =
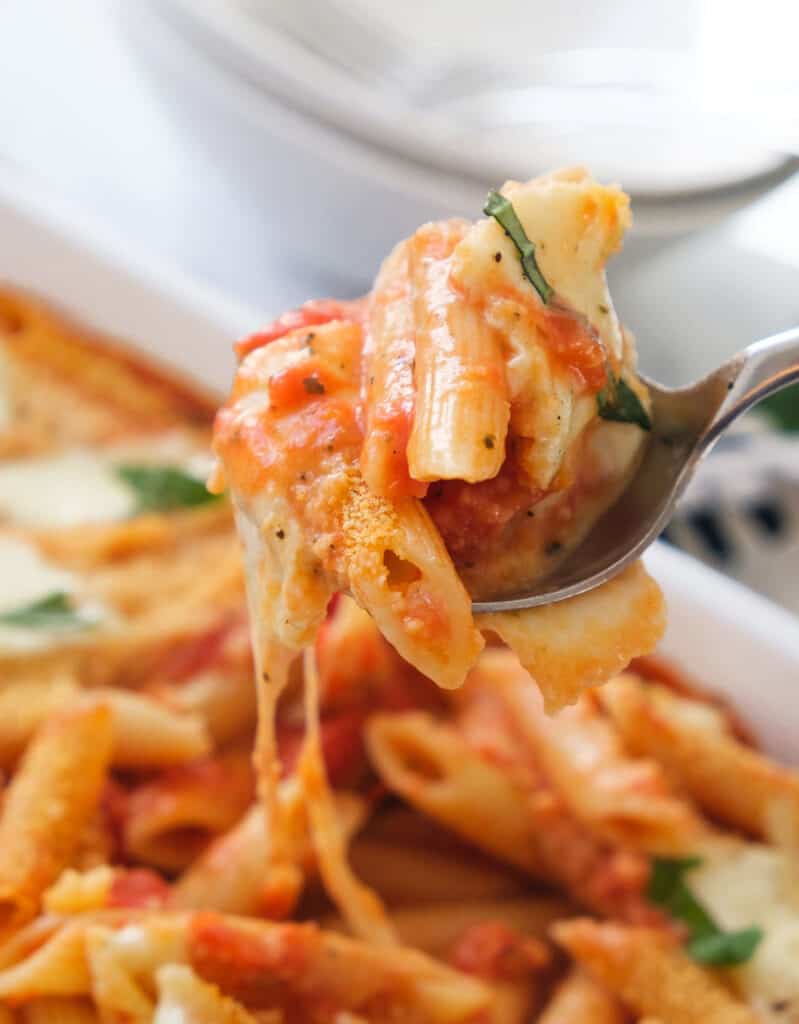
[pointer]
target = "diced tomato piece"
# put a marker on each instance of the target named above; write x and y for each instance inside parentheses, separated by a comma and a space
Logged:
(139, 889)
(495, 951)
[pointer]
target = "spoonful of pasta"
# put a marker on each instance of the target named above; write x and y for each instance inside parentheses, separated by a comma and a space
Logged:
(684, 424)
(470, 444)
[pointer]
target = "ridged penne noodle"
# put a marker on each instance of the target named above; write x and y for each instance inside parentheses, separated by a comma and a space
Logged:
(224, 702)
(45, 961)
(573, 645)
(649, 972)
(579, 999)
(25, 704)
(692, 741)
(308, 967)
(625, 799)
(145, 733)
(462, 409)
(430, 766)
(388, 372)
(50, 800)
(184, 997)
(172, 819)
(604, 876)
(56, 1010)
(401, 573)
(231, 875)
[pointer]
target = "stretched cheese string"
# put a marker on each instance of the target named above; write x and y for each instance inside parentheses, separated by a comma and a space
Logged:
(359, 905)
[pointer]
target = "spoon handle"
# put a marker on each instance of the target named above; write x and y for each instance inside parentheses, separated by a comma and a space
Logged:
(756, 372)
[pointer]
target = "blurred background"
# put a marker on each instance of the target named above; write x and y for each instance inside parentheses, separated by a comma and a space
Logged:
(276, 149)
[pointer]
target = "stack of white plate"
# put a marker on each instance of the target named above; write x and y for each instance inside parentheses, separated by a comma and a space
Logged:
(350, 122)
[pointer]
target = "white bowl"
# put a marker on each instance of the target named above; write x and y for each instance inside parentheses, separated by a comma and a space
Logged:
(730, 639)
(336, 173)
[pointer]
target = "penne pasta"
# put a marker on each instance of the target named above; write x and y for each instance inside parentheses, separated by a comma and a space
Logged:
(388, 379)
(431, 767)
(648, 971)
(24, 705)
(185, 997)
(231, 875)
(46, 961)
(462, 404)
(266, 965)
(579, 999)
(56, 1010)
(401, 573)
(734, 783)
(49, 802)
(624, 799)
(145, 733)
(170, 821)
(576, 644)
(223, 702)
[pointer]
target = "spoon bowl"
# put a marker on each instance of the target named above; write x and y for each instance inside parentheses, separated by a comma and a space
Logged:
(686, 423)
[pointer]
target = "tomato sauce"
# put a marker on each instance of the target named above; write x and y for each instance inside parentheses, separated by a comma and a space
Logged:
(312, 314)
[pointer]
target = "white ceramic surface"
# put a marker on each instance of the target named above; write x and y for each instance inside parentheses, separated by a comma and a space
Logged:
(337, 192)
(729, 638)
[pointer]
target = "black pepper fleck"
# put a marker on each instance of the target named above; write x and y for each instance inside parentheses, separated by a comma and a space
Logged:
(497, 257)
(280, 534)
(554, 547)
(530, 513)
(488, 440)
(313, 385)
(603, 308)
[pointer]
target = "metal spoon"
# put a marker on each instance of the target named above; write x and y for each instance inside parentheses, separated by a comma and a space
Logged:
(686, 423)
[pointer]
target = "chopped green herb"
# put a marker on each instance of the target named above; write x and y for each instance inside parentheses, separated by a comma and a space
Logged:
(51, 612)
(313, 385)
(501, 209)
(725, 949)
(707, 943)
(617, 401)
(163, 488)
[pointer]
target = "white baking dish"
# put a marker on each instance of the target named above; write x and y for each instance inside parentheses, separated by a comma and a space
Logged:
(728, 637)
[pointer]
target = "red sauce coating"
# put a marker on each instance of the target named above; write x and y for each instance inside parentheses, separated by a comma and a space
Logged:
(311, 314)
(139, 889)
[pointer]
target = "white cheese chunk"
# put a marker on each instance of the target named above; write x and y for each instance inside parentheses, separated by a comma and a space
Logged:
(81, 486)
(743, 884)
(25, 578)
(66, 489)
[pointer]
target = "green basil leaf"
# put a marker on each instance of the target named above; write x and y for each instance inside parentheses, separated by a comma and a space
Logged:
(707, 943)
(163, 488)
(51, 612)
(725, 949)
(501, 209)
(617, 401)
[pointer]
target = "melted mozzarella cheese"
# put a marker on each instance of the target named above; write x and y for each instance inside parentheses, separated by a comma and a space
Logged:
(744, 884)
(80, 486)
(66, 489)
(575, 224)
(25, 578)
